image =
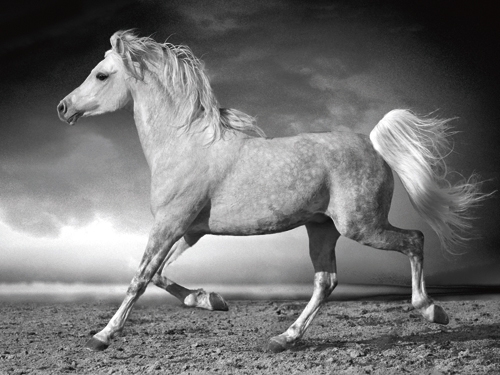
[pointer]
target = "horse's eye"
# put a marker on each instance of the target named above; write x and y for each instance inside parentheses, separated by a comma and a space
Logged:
(101, 76)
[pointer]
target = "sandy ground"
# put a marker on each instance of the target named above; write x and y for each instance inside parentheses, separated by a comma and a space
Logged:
(346, 338)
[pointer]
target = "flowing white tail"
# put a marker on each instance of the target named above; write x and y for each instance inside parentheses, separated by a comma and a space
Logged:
(415, 148)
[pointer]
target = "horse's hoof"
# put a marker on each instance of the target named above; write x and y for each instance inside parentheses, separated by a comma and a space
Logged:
(277, 344)
(435, 314)
(217, 302)
(440, 315)
(96, 345)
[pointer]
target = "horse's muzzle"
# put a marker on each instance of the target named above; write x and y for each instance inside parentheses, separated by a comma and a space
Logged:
(65, 114)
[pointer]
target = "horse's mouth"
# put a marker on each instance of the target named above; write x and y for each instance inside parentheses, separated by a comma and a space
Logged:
(74, 118)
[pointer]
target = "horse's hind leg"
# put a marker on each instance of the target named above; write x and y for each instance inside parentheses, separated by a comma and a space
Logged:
(411, 243)
(190, 297)
(322, 240)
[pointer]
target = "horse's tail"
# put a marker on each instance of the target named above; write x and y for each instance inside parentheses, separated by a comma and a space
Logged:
(415, 149)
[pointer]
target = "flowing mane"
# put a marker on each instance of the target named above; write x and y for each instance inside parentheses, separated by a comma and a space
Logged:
(183, 76)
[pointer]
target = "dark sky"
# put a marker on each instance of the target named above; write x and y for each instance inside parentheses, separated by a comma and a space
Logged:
(74, 200)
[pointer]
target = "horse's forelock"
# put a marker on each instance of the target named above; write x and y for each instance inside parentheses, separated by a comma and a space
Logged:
(134, 51)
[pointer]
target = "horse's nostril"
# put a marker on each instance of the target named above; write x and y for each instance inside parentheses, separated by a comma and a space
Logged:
(61, 108)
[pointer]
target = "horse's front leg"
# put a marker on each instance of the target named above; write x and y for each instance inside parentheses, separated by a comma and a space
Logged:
(190, 297)
(164, 234)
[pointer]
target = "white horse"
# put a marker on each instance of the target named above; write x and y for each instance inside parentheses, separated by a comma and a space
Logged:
(209, 176)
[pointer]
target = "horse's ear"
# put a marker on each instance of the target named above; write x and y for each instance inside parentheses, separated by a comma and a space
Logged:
(117, 43)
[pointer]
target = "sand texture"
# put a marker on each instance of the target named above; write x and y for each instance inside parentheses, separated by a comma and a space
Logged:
(345, 338)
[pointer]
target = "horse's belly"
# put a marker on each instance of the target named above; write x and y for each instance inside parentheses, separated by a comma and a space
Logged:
(271, 212)
(244, 225)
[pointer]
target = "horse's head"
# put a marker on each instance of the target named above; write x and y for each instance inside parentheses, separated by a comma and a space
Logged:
(104, 90)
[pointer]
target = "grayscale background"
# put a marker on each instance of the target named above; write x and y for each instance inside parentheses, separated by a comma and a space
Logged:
(74, 200)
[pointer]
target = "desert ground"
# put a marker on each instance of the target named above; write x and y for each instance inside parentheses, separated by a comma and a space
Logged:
(363, 337)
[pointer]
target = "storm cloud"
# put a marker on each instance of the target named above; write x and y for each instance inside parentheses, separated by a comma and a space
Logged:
(297, 67)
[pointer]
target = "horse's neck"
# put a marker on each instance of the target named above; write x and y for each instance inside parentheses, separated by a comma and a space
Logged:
(162, 137)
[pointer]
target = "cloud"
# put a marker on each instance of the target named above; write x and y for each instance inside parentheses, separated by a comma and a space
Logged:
(41, 194)
(292, 79)
(219, 17)
(95, 252)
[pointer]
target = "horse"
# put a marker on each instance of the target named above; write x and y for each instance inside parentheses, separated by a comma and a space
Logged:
(213, 171)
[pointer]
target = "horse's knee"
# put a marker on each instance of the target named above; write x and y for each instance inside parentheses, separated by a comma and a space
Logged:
(325, 283)
(156, 279)
(159, 281)
(137, 287)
